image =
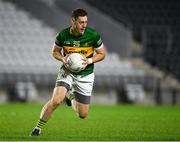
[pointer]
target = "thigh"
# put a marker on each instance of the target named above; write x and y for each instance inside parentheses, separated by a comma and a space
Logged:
(64, 78)
(84, 85)
(59, 93)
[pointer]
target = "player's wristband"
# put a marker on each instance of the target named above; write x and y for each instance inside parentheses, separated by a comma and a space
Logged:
(90, 61)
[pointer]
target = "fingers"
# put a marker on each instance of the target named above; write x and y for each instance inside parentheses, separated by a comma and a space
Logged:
(64, 60)
(85, 61)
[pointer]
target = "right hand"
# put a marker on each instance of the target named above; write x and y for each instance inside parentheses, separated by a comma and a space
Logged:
(64, 60)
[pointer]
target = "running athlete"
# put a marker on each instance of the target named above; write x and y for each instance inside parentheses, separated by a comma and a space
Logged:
(75, 88)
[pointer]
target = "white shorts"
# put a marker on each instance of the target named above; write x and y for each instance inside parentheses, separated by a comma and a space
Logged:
(80, 85)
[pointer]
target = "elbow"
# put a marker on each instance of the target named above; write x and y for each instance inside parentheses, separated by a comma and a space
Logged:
(103, 56)
(53, 54)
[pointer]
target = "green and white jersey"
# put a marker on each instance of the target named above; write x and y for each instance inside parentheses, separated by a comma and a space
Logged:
(84, 44)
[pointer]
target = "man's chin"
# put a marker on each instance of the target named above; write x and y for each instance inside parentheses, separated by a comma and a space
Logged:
(82, 32)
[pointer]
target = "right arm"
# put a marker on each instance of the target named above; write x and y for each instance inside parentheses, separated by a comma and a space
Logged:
(56, 53)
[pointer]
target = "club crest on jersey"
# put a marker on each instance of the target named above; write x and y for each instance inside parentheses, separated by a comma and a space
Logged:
(86, 44)
(76, 43)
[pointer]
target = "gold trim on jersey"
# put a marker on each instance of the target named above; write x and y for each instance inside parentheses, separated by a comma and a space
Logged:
(86, 51)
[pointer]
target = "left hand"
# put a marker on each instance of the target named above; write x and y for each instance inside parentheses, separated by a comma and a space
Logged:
(85, 63)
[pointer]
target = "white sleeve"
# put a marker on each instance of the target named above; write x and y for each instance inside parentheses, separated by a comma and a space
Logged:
(57, 46)
(101, 46)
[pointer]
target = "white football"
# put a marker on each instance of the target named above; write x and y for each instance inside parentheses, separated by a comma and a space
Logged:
(75, 62)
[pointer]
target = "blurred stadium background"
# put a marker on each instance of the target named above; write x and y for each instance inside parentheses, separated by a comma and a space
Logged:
(141, 38)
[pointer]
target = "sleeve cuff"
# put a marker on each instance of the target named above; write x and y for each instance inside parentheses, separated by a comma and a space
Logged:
(90, 61)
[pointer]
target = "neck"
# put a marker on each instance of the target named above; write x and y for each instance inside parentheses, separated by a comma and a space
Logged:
(74, 32)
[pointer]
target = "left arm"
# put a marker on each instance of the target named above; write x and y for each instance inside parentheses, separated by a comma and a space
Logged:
(99, 56)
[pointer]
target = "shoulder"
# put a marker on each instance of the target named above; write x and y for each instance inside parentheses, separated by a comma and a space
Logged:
(61, 36)
(62, 33)
(94, 35)
(92, 31)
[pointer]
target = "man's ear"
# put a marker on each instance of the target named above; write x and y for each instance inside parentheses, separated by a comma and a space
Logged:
(72, 20)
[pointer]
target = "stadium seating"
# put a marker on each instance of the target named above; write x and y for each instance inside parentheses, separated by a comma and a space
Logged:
(25, 56)
(155, 24)
(26, 46)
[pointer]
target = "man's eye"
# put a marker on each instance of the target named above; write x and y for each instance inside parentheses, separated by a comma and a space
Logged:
(82, 22)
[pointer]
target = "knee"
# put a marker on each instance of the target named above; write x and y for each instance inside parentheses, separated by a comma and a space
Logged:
(83, 115)
(55, 103)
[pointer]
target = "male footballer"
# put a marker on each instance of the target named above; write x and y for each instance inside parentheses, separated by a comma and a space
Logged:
(75, 88)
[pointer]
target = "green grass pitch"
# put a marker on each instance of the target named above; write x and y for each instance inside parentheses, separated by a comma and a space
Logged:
(105, 123)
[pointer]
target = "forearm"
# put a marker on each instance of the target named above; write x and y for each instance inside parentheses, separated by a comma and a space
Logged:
(56, 53)
(98, 57)
(57, 56)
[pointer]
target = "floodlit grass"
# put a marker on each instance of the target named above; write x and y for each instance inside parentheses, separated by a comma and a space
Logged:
(118, 122)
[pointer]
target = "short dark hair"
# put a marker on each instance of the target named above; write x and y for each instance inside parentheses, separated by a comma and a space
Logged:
(78, 12)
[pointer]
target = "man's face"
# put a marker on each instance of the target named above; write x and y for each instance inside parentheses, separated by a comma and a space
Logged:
(80, 24)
